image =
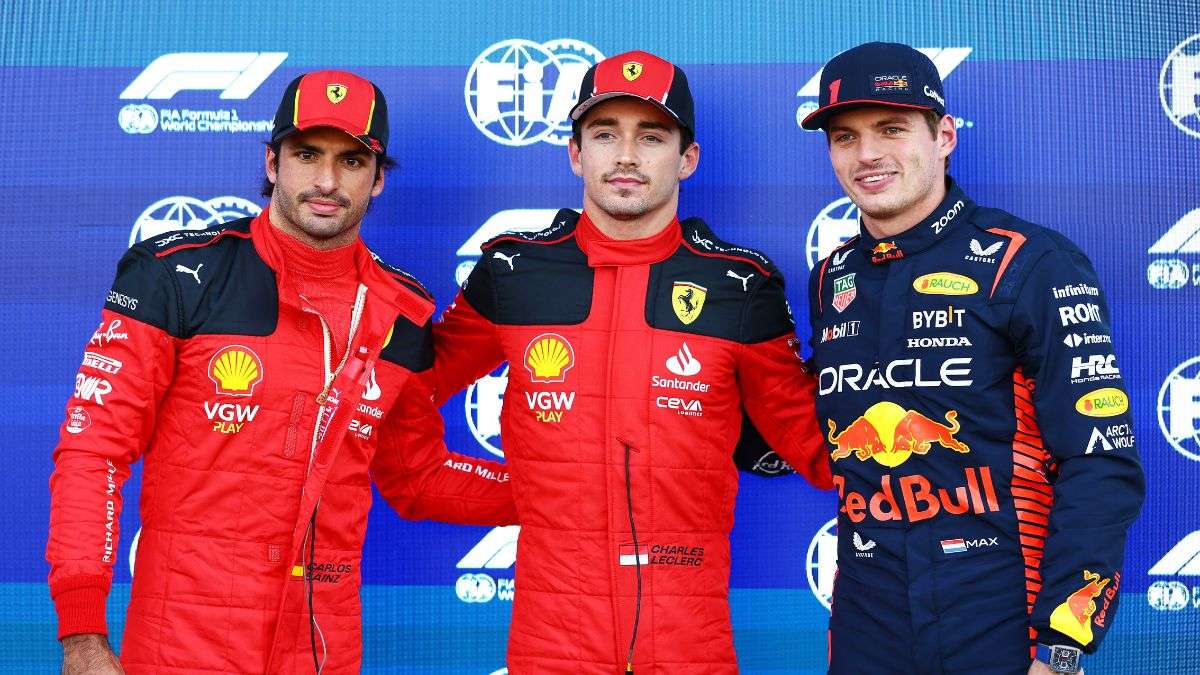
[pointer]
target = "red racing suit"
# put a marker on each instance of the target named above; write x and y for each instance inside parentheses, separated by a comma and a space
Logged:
(259, 454)
(630, 364)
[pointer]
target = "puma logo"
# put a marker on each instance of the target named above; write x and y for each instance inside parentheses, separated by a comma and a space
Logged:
(745, 280)
(507, 259)
(195, 273)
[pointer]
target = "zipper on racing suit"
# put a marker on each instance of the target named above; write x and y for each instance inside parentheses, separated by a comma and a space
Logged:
(324, 416)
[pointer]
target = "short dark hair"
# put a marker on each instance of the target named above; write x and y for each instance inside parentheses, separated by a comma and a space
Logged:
(686, 137)
(382, 163)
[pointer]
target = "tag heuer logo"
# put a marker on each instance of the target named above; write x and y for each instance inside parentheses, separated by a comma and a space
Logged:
(632, 70)
(844, 292)
(335, 93)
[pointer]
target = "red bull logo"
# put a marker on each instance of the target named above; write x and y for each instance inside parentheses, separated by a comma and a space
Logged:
(890, 435)
(1073, 617)
(913, 498)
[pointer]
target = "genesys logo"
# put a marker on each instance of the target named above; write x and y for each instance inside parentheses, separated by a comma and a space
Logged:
(183, 213)
(1176, 593)
(236, 75)
(1177, 255)
(497, 551)
(1179, 86)
(946, 59)
(1179, 408)
(519, 92)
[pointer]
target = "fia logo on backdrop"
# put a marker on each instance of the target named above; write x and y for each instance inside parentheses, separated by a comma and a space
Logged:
(1179, 86)
(519, 92)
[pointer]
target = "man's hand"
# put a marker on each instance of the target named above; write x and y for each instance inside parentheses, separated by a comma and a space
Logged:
(1039, 668)
(89, 654)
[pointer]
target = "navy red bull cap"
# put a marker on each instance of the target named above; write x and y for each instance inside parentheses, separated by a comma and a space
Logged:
(877, 73)
(334, 98)
(641, 75)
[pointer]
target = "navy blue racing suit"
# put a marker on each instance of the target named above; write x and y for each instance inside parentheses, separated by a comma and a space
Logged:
(981, 443)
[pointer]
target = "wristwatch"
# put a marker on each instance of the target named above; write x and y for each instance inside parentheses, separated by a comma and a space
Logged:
(1060, 658)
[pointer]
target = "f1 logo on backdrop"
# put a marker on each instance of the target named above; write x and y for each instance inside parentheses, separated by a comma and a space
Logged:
(188, 213)
(1179, 86)
(1182, 560)
(945, 58)
(1179, 408)
(1183, 239)
(519, 92)
(496, 551)
(236, 75)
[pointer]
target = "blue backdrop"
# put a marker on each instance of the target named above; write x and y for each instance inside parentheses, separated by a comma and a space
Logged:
(122, 120)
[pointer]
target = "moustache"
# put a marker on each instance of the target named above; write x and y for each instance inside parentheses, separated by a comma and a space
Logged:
(636, 175)
(317, 194)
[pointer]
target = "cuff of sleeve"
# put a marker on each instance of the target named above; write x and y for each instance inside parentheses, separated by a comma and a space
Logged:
(1049, 636)
(80, 604)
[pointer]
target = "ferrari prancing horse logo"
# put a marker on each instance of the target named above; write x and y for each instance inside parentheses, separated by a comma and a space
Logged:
(336, 92)
(632, 70)
(687, 299)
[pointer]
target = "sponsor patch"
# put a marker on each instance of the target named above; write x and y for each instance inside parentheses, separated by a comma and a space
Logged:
(945, 283)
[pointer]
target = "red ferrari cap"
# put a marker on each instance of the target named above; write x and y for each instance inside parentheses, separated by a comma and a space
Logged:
(641, 75)
(338, 99)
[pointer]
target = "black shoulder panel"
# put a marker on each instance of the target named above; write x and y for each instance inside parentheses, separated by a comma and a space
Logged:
(407, 280)
(533, 278)
(221, 283)
(410, 346)
(142, 290)
(709, 287)
(698, 236)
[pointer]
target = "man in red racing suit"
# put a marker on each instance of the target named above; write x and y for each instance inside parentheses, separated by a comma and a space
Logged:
(267, 372)
(635, 342)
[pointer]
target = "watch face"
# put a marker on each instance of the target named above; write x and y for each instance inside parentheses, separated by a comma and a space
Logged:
(1064, 659)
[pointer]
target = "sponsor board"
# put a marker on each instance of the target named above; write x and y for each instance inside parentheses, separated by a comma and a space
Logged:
(496, 551)
(833, 226)
(183, 213)
(1179, 86)
(1176, 261)
(821, 562)
(482, 405)
(236, 75)
(1177, 591)
(1179, 408)
(519, 92)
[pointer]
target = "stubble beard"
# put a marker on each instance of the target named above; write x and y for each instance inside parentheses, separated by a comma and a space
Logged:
(317, 227)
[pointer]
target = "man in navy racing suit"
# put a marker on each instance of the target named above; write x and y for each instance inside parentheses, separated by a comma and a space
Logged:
(977, 422)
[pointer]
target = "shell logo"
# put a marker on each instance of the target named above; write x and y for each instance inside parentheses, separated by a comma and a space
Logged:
(235, 370)
(548, 358)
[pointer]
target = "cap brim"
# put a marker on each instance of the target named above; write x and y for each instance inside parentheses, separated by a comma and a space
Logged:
(817, 118)
(334, 123)
(581, 109)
